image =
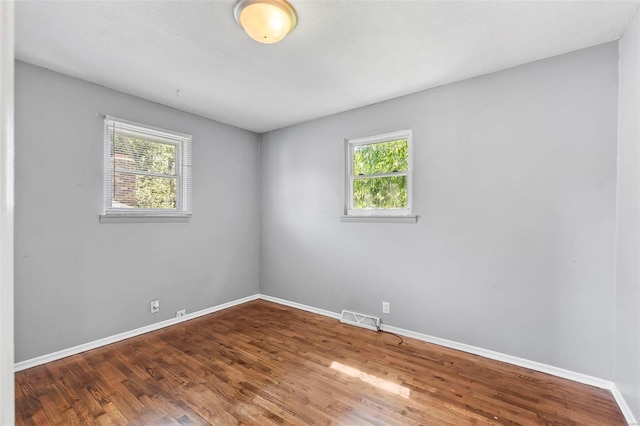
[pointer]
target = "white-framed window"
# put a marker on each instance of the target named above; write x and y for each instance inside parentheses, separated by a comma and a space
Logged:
(379, 175)
(147, 171)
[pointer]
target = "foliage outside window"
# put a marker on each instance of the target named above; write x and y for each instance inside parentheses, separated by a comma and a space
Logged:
(379, 173)
(147, 170)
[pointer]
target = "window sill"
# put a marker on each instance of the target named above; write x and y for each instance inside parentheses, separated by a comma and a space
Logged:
(141, 218)
(380, 219)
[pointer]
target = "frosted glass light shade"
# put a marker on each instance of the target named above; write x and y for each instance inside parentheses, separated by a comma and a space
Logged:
(266, 21)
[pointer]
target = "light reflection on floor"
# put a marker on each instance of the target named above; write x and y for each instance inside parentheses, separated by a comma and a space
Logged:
(372, 380)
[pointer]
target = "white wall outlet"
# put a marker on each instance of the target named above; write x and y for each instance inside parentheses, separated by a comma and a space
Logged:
(385, 307)
(155, 306)
(181, 313)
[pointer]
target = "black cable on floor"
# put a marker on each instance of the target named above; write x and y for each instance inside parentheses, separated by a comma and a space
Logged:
(393, 334)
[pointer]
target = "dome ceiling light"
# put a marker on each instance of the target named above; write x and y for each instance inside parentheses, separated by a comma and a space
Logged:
(266, 21)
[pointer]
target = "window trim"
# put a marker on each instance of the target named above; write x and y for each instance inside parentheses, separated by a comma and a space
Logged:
(378, 214)
(183, 174)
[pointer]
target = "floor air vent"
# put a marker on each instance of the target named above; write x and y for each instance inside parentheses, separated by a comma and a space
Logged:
(360, 320)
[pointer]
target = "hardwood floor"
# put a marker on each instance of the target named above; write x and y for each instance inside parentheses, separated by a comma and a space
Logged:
(262, 363)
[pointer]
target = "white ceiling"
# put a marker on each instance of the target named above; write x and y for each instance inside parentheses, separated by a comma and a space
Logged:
(342, 55)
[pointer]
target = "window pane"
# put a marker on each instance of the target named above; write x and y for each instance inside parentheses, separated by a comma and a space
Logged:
(143, 155)
(388, 192)
(384, 157)
(143, 192)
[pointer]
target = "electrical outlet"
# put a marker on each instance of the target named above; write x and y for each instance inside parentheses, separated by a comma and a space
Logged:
(181, 313)
(155, 306)
(385, 307)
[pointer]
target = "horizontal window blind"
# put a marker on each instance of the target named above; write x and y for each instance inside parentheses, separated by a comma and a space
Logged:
(147, 170)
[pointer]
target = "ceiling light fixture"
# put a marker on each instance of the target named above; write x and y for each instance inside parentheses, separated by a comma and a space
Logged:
(266, 21)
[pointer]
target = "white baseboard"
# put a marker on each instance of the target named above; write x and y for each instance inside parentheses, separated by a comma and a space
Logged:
(33, 362)
(510, 359)
(498, 356)
(533, 365)
(299, 306)
(624, 407)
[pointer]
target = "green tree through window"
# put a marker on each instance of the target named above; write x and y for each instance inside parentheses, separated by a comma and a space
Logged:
(379, 170)
(135, 156)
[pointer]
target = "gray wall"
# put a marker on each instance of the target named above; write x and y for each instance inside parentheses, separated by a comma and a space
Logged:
(77, 280)
(515, 184)
(627, 332)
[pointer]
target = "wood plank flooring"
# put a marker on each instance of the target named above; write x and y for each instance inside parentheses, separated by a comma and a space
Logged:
(261, 363)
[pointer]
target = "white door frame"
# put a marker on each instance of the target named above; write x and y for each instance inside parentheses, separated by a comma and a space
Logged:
(7, 185)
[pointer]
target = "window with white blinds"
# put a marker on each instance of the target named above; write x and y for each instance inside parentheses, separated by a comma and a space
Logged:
(147, 171)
